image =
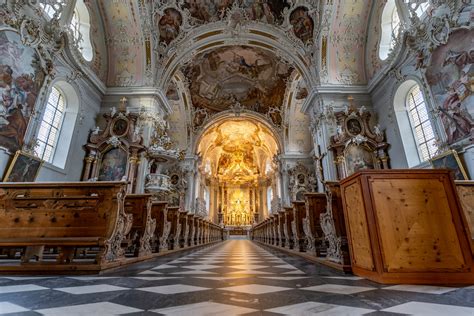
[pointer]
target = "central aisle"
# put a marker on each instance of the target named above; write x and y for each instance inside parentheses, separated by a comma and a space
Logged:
(230, 278)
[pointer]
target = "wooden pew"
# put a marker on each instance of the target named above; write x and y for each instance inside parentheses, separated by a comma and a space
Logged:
(183, 221)
(143, 227)
(315, 206)
(67, 216)
(159, 212)
(281, 228)
(407, 226)
(299, 215)
(192, 230)
(465, 190)
(175, 229)
(288, 219)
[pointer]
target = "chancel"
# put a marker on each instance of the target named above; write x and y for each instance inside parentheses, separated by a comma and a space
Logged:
(270, 157)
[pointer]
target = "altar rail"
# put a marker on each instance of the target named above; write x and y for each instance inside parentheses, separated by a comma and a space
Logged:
(390, 226)
(86, 227)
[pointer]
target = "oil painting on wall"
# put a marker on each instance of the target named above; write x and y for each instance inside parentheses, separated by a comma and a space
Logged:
(358, 158)
(113, 166)
(451, 78)
(23, 168)
(20, 81)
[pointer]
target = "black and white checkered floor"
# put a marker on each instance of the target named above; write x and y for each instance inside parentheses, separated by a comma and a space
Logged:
(231, 278)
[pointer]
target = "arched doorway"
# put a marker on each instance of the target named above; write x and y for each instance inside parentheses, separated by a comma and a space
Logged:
(236, 170)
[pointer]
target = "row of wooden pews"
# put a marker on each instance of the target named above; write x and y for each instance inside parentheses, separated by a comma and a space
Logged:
(391, 226)
(309, 230)
(87, 227)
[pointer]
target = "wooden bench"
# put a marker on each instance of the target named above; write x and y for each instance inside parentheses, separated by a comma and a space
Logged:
(175, 228)
(315, 206)
(299, 214)
(159, 211)
(465, 190)
(66, 216)
(143, 227)
(288, 219)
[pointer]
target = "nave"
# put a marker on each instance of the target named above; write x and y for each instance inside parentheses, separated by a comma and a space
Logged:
(236, 277)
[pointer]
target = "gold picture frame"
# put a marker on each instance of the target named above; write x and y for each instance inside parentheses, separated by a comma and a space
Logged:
(23, 168)
(450, 160)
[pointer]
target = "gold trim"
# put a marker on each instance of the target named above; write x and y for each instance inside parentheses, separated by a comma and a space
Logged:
(458, 161)
(14, 160)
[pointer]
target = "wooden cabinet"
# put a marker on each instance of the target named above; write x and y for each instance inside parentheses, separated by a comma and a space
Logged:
(406, 226)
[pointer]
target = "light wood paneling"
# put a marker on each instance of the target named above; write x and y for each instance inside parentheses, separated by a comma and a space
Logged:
(357, 224)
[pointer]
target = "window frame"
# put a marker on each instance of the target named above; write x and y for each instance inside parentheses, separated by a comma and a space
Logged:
(421, 121)
(50, 127)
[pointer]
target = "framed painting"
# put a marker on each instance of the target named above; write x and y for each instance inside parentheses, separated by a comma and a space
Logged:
(113, 166)
(23, 168)
(450, 160)
(358, 158)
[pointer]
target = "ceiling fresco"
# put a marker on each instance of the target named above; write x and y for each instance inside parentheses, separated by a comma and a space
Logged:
(237, 150)
(204, 11)
(250, 76)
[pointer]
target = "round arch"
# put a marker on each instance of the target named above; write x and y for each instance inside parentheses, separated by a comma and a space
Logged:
(209, 39)
(220, 118)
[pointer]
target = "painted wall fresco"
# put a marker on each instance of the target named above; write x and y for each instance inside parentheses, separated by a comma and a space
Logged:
(169, 25)
(303, 25)
(269, 11)
(253, 77)
(451, 78)
(20, 81)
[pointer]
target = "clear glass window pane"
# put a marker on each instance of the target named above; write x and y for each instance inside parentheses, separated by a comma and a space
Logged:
(421, 125)
(48, 133)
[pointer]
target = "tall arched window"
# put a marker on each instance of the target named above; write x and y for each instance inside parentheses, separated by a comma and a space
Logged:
(416, 129)
(80, 27)
(420, 123)
(51, 9)
(50, 127)
(390, 27)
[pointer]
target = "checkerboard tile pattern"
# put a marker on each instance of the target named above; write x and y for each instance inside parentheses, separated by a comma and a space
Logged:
(236, 277)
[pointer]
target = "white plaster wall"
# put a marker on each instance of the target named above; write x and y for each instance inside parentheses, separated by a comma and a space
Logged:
(382, 100)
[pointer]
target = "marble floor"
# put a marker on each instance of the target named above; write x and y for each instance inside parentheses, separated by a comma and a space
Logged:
(236, 277)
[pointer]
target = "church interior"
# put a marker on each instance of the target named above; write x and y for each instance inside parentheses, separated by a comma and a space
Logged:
(245, 157)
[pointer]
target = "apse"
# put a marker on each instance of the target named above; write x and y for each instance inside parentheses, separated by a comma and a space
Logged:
(237, 170)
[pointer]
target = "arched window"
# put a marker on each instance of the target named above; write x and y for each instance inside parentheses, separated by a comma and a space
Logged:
(390, 28)
(80, 27)
(50, 125)
(420, 123)
(416, 129)
(57, 125)
(51, 9)
(418, 7)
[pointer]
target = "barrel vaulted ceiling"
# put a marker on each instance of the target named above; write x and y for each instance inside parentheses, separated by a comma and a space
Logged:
(208, 56)
(149, 40)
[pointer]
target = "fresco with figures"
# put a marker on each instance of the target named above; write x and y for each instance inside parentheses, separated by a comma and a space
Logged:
(451, 77)
(269, 11)
(253, 77)
(21, 78)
